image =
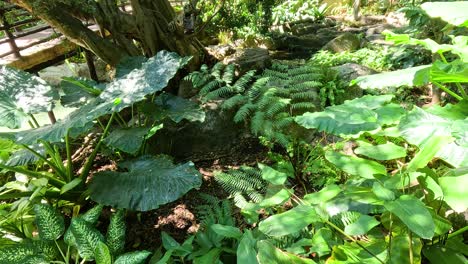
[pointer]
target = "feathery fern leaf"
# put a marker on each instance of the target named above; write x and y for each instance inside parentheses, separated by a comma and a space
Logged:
(229, 73)
(50, 223)
(234, 101)
(244, 112)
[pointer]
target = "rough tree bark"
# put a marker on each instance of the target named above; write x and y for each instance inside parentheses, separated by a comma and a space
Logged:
(151, 27)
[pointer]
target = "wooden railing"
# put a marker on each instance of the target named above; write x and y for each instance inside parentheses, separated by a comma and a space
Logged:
(18, 29)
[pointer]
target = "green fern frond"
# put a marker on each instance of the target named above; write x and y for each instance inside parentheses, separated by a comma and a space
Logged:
(345, 218)
(303, 106)
(280, 138)
(258, 88)
(284, 123)
(245, 79)
(234, 101)
(136, 257)
(306, 77)
(244, 181)
(244, 112)
(210, 86)
(116, 232)
(86, 237)
(280, 67)
(50, 223)
(222, 92)
(275, 74)
(304, 70)
(307, 95)
(256, 124)
(229, 73)
(217, 70)
(304, 86)
(272, 109)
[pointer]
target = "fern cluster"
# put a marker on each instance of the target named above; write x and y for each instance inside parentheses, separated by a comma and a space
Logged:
(282, 92)
(244, 184)
(219, 81)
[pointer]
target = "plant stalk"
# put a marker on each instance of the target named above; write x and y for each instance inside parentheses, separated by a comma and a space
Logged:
(93, 155)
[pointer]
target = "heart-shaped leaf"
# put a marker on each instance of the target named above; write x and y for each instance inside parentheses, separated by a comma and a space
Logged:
(148, 183)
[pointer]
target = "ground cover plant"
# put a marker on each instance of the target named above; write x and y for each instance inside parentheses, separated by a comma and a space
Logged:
(340, 179)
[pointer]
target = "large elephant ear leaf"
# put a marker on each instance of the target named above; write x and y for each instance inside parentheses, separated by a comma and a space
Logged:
(22, 94)
(451, 12)
(178, 108)
(128, 140)
(79, 91)
(151, 77)
(76, 123)
(150, 181)
(419, 125)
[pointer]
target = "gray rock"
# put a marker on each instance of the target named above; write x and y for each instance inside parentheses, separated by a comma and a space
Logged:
(348, 72)
(307, 28)
(220, 51)
(217, 135)
(344, 42)
(249, 59)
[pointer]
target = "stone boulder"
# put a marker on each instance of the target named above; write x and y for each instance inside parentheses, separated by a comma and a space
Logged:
(344, 42)
(249, 59)
(348, 72)
(217, 136)
(220, 51)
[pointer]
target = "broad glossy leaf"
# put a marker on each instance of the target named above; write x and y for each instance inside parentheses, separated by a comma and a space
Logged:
(267, 254)
(177, 108)
(277, 198)
(148, 183)
(246, 252)
(414, 214)
(289, 222)
(451, 12)
(102, 253)
(77, 122)
(455, 191)
(352, 253)
(352, 117)
(226, 231)
(452, 72)
(169, 242)
(21, 94)
(151, 77)
(128, 64)
(360, 227)
(355, 166)
(271, 175)
(386, 151)
(382, 192)
(322, 241)
(401, 247)
(210, 257)
(79, 91)
(454, 112)
(419, 125)
(427, 152)
(325, 194)
(415, 76)
(443, 255)
(128, 140)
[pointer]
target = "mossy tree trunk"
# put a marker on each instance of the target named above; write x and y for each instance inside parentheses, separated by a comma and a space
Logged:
(152, 26)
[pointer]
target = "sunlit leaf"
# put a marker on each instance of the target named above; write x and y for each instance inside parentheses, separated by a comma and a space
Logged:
(386, 151)
(22, 94)
(271, 175)
(455, 191)
(451, 12)
(355, 166)
(267, 254)
(325, 194)
(401, 247)
(289, 222)
(414, 214)
(415, 76)
(361, 226)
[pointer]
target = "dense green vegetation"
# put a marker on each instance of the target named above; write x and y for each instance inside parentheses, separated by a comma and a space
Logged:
(344, 177)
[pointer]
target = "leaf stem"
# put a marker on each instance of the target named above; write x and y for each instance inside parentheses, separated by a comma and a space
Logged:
(69, 159)
(53, 181)
(93, 155)
(354, 240)
(34, 120)
(447, 90)
(44, 159)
